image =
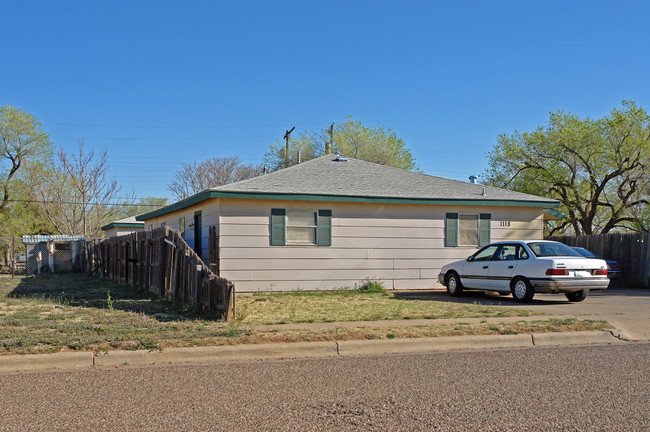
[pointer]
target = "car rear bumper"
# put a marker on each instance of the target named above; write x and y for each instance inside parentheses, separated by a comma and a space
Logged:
(557, 285)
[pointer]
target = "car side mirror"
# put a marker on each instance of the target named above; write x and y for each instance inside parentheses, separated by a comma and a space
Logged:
(470, 258)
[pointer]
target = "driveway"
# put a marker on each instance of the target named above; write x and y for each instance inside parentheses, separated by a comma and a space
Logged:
(626, 309)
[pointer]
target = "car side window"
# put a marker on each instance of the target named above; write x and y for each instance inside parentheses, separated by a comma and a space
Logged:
(485, 254)
(521, 253)
(506, 253)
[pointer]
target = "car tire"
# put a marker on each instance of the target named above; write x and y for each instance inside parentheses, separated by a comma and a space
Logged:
(454, 287)
(577, 296)
(521, 289)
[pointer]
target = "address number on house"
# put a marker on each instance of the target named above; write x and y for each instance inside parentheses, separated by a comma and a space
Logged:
(504, 223)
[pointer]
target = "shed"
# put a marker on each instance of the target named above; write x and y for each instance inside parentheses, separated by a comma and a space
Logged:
(53, 253)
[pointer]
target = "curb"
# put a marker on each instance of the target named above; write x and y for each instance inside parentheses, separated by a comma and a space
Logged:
(218, 353)
(38, 362)
(87, 360)
(445, 343)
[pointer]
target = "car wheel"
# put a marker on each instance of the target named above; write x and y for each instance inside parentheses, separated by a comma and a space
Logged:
(521, 290)
(454, 287)
(577, 296)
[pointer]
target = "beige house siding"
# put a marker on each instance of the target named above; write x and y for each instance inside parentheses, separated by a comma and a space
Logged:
(402, 245)
(114, 232)
(209, 215)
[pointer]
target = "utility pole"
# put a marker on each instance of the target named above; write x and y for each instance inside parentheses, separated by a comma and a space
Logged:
(286, 152)
(329, 146)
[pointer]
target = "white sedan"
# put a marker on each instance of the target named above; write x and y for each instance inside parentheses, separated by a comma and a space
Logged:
(524, 268)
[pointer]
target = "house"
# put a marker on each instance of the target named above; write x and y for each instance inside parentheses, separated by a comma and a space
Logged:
(122, 227)
(53, 253)
(333, 222)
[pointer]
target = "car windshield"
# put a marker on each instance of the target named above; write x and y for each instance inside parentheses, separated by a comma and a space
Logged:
(585, 253)
(551, 249)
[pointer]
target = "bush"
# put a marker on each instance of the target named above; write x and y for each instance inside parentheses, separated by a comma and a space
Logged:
(371, 286)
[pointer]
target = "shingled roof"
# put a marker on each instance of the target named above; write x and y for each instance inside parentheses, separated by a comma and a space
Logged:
(332, 178)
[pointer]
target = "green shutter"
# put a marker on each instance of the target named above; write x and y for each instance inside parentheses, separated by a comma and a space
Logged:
(278, 227)
(484, 229)
(324, 227)
(451, 230)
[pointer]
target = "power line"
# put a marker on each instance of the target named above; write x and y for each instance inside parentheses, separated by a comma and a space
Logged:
(87, 203)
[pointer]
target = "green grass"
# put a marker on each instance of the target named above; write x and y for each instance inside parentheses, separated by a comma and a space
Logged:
(70, 312)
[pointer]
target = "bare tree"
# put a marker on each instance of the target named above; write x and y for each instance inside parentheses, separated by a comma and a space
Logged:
(77, 195)
(198, 176)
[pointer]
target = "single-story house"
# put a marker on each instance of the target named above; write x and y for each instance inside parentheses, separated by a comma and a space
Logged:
(122, 227)
(333, 222)
(53, 253)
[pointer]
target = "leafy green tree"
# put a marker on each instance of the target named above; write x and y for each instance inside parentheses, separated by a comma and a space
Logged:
(598, 169)
(22, 140)
(351, 138)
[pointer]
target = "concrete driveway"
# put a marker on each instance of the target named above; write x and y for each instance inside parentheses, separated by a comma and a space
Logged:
(626, 309)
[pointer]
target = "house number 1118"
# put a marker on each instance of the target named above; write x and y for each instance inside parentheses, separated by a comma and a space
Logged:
(505, 223)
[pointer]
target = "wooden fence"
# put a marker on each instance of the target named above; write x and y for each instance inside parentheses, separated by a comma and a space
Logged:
(631, 251)
(160, 262)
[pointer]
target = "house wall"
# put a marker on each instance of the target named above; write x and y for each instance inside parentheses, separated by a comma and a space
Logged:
(210, 217)
(114, 232)
(402, 245)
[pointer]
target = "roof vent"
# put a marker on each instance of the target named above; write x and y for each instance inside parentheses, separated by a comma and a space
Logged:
(340, 158)
(473, 178)
(483, 193)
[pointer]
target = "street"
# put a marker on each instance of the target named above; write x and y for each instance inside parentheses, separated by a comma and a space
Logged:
(599, 387)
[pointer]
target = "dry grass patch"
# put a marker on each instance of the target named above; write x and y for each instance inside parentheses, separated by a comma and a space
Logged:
(351, 305)
(72, 312)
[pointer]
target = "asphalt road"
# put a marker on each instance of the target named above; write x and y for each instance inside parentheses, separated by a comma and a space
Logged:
(589, 388)
(626, 309)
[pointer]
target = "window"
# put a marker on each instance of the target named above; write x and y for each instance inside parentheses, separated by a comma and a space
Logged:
(467, 229)
(181, 227)
(301, 227)
(486, 254)
(511, 252)
(552, 249)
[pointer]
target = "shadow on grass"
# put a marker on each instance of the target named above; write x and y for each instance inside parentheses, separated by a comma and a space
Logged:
(78, 290)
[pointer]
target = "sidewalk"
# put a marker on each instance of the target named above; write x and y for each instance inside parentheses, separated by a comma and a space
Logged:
(120, 358)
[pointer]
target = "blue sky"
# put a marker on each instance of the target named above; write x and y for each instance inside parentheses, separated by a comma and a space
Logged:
(158, 83)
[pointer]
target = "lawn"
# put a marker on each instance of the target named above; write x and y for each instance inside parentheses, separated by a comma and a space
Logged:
(68, 312)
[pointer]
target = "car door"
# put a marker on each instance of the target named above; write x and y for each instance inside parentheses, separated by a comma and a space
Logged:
(502, 267)
(475, 271)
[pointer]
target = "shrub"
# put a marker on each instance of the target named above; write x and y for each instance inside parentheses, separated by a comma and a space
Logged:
(371, 286)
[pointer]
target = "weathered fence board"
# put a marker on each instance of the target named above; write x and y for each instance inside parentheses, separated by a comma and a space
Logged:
(631, 251)
(161, 262)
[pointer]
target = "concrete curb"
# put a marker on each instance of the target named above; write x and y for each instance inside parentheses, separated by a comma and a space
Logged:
(218, 353)
(86, 360)
(38, 362)
(446, 343)
(573, 338)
